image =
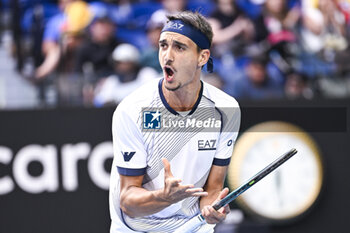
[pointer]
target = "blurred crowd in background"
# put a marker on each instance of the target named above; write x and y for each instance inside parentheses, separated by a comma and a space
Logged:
(94, 53)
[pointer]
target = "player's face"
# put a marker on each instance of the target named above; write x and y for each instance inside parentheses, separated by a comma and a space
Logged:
(180, 60)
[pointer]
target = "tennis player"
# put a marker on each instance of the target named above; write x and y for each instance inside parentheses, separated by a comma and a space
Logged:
(173, 138)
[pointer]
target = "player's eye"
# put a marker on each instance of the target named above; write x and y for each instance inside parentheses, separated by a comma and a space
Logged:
(162, 45)
(180, 48)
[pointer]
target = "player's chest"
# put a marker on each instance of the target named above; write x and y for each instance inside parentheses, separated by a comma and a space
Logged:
(195, 145)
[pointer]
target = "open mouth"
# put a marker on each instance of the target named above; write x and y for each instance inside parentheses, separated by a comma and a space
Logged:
(169, 71)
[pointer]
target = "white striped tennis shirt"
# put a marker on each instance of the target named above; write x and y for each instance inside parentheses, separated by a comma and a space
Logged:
(146, 129)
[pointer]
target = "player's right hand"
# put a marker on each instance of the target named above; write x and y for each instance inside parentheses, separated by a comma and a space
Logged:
(213, 216)
(174, 191)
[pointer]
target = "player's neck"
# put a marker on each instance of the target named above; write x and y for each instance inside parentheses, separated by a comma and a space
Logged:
(184, 98)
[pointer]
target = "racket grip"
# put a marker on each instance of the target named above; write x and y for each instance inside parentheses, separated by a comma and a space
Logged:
(219, 204)
(190, 225)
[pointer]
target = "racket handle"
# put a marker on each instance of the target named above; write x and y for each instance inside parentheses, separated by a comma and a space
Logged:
(190, 225)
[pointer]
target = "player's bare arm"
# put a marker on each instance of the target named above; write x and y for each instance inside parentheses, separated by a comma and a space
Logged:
(136, 201)
(214, 187)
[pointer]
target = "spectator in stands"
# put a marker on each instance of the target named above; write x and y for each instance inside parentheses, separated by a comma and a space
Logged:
(63, 33)
(97, 47)
(93, 57)
(232, 30)
(256, 83)
(343, 6)
(326, 25)
(276, 29)
(169, 7)
(128, 76)
(51, 38)
(326, 32)
(297, 86)
(69, 84)
(149, 56)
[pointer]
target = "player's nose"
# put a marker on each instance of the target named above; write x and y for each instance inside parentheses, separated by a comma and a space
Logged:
(169, 55)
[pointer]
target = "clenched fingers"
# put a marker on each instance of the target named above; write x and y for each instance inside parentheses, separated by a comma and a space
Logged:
(212, 216)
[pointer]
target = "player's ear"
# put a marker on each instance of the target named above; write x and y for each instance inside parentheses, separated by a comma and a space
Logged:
(204, 55)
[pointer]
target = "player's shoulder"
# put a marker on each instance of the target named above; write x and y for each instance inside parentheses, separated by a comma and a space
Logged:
(220, 98)
(140, 98)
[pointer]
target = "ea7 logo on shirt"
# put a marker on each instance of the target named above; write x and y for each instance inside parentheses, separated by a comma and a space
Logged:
(207, 144)
(152, 119)
(128, 155)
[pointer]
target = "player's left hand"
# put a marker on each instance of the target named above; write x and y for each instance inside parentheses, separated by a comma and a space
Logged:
(213, 216)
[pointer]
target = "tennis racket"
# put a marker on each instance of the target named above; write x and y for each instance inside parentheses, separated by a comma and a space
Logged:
(199, 220)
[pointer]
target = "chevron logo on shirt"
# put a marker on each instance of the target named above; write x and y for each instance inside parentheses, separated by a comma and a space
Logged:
(128, 155)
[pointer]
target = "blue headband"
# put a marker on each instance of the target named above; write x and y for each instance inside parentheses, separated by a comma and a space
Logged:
(195, 35)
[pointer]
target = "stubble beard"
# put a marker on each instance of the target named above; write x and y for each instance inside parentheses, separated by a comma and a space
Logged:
(174, 88)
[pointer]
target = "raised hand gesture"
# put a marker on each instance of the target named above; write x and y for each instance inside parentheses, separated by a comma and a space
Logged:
(173, 190)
